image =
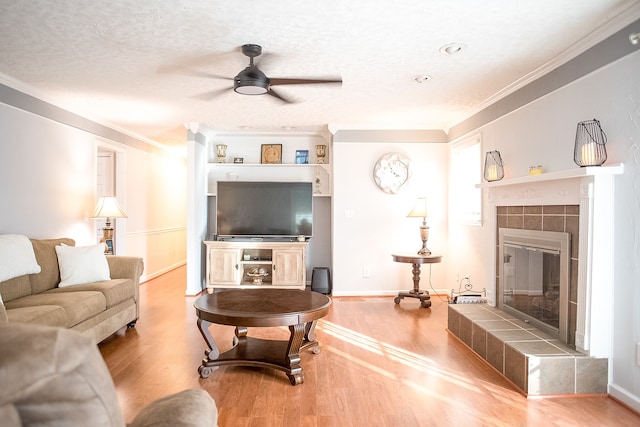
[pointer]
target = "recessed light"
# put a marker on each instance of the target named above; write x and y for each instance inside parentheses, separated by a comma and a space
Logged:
(422, 78)
(634, 38)
(452, 48)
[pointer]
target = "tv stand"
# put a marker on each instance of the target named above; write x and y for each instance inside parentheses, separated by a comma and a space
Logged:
(230, 264)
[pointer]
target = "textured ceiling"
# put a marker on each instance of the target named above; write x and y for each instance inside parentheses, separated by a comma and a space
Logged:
(142, 65)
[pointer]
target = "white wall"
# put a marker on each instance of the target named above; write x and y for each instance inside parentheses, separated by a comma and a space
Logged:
(543, 132)
(379, 225)
(47, 189)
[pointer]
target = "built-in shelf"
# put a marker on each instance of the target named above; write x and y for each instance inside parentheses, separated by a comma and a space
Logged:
(554, 176)
(268, 165)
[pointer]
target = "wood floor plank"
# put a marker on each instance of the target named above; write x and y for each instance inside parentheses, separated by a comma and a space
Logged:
(381, 364)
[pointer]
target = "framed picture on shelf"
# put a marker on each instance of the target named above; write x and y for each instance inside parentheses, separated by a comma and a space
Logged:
(238, 160)
(271, 154)
(302, 157)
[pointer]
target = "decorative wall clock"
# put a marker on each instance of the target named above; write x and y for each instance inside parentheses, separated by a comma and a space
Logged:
(391, 172)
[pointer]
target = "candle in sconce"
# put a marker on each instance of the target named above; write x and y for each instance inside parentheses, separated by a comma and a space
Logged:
(589, 154)
(492, 173)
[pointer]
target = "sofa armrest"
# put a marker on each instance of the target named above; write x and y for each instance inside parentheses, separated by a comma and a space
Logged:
(127, 267)
(192, 408)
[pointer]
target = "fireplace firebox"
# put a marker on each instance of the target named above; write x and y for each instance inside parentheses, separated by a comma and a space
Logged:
(534, 275)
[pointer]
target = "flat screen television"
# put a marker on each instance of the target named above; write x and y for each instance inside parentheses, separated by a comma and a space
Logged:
(249, 209)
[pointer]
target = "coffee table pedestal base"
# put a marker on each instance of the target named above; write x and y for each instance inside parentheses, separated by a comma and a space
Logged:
(249, 351)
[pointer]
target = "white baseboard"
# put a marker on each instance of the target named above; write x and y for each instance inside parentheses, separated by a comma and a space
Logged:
(625, 397)
(387, 293)
(147, 277)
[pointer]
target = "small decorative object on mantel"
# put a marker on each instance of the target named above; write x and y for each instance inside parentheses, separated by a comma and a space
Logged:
(221, 151)
(321, 153)
(271, 154)
(493, 166)
(589, 149)
(535, 170)
(238, 160)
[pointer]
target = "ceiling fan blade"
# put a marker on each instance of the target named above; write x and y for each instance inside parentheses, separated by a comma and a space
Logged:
(208, 96)
(287, 81)
(176, 69)
(280, 97)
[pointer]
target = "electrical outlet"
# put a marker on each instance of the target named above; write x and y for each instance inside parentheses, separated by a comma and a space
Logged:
(366, 272)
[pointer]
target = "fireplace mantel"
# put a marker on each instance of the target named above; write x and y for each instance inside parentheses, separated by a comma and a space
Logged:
(558, 175)
(592, 188)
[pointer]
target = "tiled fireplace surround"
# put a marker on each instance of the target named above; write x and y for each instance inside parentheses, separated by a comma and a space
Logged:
(537, 363)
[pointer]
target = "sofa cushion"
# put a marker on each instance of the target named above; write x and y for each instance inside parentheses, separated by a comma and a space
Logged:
(3, 311)
(115, 291)
(16, 257)
(82, 264)
(46, 256)
(55, 377)
(15, 288)
(50, 315)
(79, 306)
(189, 408)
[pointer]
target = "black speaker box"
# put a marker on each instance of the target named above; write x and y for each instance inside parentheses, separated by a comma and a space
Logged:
(321, 280)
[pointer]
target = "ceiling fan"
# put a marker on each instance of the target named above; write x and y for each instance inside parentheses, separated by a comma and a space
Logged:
(252, 81)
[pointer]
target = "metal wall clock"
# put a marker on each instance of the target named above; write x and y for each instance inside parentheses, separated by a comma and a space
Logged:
(391, 172)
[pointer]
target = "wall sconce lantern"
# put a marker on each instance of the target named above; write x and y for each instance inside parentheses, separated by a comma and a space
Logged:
(589, 149)
(493, 167)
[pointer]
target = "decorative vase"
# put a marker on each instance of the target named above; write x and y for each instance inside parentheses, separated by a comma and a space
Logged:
(221, 151)
(321, 153)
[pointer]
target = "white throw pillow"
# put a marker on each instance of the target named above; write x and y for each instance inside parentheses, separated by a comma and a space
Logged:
(16, 257)
(82, 264)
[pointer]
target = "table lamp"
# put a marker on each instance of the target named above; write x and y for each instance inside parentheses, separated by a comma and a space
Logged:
(420, 211)
(108, 208)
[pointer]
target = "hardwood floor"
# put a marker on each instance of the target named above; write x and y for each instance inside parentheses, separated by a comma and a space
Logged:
(381, 364)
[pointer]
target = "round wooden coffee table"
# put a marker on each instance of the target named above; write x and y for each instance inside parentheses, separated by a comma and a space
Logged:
(242, 308)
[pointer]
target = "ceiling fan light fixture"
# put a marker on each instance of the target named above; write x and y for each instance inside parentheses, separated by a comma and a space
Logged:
(251, 87)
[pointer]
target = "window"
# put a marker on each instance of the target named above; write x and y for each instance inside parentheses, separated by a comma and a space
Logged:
(466, 199)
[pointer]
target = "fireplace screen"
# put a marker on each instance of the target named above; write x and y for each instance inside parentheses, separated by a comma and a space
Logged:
(534, 279)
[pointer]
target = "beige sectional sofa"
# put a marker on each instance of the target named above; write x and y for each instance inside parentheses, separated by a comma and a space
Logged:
(57, 377)
(96, 309)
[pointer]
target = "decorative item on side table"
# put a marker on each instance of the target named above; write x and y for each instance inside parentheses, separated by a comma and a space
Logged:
(221, 152)
(493, 166)
(321, 153)
(108, 207)
(589, 149)
(420, 211)
(302, 157)
(271, 154)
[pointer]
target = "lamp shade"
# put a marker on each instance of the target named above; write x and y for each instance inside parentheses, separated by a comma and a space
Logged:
(108, 207)
(419, 209)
